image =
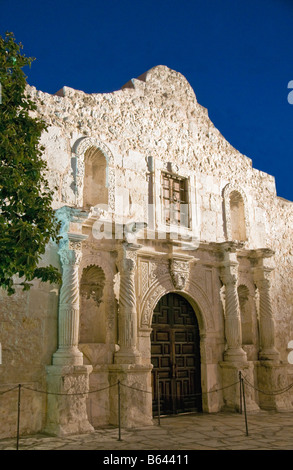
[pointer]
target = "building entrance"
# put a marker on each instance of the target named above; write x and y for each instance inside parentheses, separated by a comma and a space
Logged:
(175, 355)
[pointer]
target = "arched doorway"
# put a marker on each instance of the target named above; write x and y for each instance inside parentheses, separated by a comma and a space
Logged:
(175, 355)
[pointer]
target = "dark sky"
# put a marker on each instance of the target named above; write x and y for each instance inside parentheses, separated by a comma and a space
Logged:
(236, 54)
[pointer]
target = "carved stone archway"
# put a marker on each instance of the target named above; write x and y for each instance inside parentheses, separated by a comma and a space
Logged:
(192, 292)
(203, 309)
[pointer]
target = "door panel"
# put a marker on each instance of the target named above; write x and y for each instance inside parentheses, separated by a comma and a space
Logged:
(175, 356)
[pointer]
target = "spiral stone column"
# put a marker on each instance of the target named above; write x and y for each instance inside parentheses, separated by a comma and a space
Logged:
(235, 358)
(262, 280)
(67, 377)
(127, 317)
(271, 372)
(233, 332)
(266, 321)
(136, 406)
(68, 321)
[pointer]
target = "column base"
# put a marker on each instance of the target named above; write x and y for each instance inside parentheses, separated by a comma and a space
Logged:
(269, 355)
(68, 356)
(127, 356)
(235, 355)
(272, 377)
(66, 402)
(231, 393)
(135, 395)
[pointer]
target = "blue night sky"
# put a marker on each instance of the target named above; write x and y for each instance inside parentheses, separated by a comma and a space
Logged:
(237, 56)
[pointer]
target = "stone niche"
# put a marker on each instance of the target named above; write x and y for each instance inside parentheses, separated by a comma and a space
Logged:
(92, 311)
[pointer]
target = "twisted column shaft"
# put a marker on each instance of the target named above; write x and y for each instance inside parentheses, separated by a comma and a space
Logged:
(232, 316)
(266, 321)
(127, 307)
(127, 319)
(68, 319)
(233, 333)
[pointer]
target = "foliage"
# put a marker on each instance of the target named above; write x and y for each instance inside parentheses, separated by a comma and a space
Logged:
(27, 220)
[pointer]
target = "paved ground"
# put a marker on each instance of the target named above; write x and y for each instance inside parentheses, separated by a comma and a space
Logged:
(221, 431)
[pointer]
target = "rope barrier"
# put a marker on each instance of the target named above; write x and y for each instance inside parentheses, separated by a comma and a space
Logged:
(6, 391)
(273, 392)
(69, 394)
(136, 389)
(241, 381)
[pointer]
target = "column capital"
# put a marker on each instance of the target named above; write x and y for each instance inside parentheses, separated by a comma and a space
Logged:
(127, 257)
(262, 276)
(70, 250)
(70, 257)
(229, 272)
(229, 275)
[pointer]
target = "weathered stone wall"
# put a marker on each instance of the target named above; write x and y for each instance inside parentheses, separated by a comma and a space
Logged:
(156, 115)
(28, 336)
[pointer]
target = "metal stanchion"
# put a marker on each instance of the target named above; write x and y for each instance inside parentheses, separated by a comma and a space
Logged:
(18, 417)
(240, 386)
(244, 402)
(119, 411)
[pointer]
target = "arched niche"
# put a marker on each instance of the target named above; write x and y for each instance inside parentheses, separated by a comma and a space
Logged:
(245, 305)
(235, 213)
(95, 186)
(92, 314)
(94, 168)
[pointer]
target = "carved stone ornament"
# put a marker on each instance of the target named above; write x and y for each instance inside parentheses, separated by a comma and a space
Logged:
(150, 305)
(179, 271)
(70, 257)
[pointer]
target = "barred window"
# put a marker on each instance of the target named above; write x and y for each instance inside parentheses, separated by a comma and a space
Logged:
(175, 200)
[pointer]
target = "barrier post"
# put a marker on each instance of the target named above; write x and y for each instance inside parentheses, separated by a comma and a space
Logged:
(244, 405)
(119, 411)
(18, 417)
(240, 385)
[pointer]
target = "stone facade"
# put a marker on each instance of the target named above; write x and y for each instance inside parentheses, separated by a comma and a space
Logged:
(112, 158)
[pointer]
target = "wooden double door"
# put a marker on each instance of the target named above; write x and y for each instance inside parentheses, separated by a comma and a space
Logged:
(175, 355)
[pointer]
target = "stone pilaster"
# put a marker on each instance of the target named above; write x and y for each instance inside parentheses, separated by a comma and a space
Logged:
(68, 378)
(231, 393)
(127, 316)
(271, 374)
(68, 319)
(262, 280)
(135, 392)
(229, 274)
(68, 388)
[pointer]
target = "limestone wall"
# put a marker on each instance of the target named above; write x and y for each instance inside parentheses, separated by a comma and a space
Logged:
(158, 116)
